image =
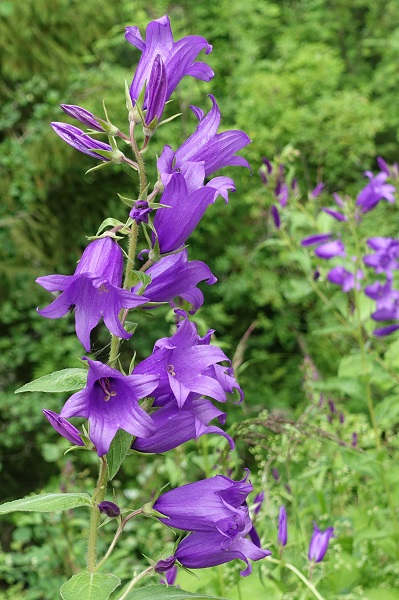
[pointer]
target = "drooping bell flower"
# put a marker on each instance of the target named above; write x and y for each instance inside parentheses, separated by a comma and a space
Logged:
(319, 543)
(375, 191)
(93, 291)
(344, 278)
(175, 426)
(181, 362)
(63, 427)
(204, 149)
(110, 401)
(177, 57)
(175, 276)
(282, 526)
(386, 257)
(81, 141)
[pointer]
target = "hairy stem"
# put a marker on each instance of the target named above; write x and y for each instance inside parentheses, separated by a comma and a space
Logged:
(148, 571)
(98, 496)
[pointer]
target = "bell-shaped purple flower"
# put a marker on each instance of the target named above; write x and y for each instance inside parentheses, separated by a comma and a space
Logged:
(385, 296)
(282, 526)
(93, 291)
(178, 57)
(375, 191)
(185, 210)
(386, 257)
(330, 250)
(181, 362)
(63, 427)
(205, 146)
(175, 426)
(319, 543)
(110, 401)
(79, 140)
(175, 276)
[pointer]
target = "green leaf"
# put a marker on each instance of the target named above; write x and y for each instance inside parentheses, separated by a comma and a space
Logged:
(65, 380)
(46, 503)
(89, 586)
(136, 277)
(110, 222)
(117, 452)
(153, 592)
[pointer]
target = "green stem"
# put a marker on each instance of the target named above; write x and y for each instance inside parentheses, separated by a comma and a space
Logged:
(98, 496)
(134, 581)
(117, 535)
(139, 159)
(302, 577)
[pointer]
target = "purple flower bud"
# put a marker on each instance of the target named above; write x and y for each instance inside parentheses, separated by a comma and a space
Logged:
(275, 474)
(268, 164)
(354, 439)
(317, 190)
(341, 418)
(83, 115)
(382, 331)
(383, 165)
(164, 565)
(79, 140)
(338, 200)
(140, 212)
(156, 92)
(331, 406)
(282, 526)
(63, 427)
(281, 192)
(109, 508)
(335, 214)
(318, 238)
(316, 275)
(275, 216)
(319, 543)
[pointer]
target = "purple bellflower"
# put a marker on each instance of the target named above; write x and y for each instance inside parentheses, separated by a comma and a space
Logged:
(319, 543)
(317, 190)
(386, 257)
(177, 57)
(282, 526)
(344, 278)
(375, 191)
(140, 211)
(174, 426)
(182, 363)
(93, 291)
(110, 401)
(205, 146)
(88, 119)
(184, 211)
(385, 296)
(63, 427)
(174, 276)
(81, 141)
(216, 513)
(156, 94)
(330, 250)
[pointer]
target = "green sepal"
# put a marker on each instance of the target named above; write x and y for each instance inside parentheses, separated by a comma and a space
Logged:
(113, 223)
(169, 119)
(65, 380)
(136, 277)
(97, 167)
(130, 326)
(128, 201)
(132, 362)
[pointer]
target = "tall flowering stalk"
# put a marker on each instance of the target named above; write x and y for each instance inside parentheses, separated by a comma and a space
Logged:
(167, 398)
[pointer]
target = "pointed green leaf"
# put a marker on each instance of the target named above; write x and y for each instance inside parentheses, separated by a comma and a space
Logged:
(117, 452)
(65, 380)
(161, 592)
(46, 503)
(110, 222)
(90, 586)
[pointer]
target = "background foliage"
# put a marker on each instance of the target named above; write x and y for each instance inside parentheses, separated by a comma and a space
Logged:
(316, 76)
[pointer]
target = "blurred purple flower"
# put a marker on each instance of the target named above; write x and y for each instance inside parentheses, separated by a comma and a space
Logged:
(319, 543)
(110, 401)
(386, 257)
(317, 238)
(317, 190)
(383, 165)
(275, 216)
(375, 191)
(282, 526)
(335, 214)
(344, 278)
(258, 502)
(330, 250)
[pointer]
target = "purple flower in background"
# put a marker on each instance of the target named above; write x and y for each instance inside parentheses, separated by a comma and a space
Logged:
(175, 426)
(110, 401)
(183, 363)
(213, 150)
(109, 508)
(319, 543)
(354, 439)
(258, 502)
(317, 238)
(344, 278)
(282, 526)
(275, 216)
(177, 57)
(386, 257)
(383, 165)
(383, 331)
(275, 473)
(215, 510)
(93, 291)
(174, 276)
(63, 427)
(385, 296)
(79, 140)
(334, 214)
(330, 250)
(317, 190)
(281, 192)
(375, 191)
